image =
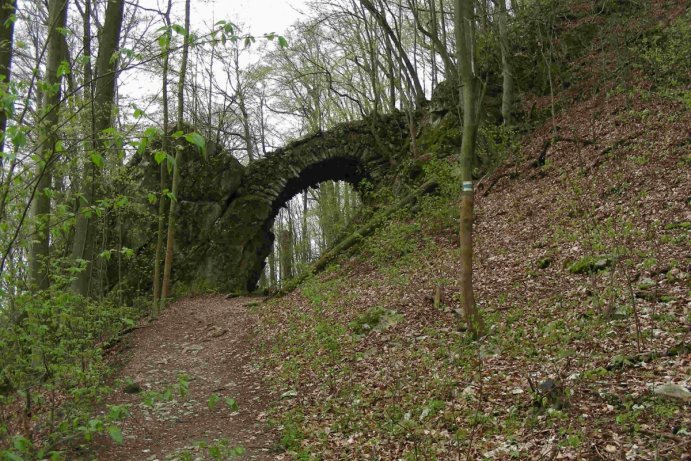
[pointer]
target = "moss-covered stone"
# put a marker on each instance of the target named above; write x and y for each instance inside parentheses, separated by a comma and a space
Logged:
(590, 264)
(375, 319)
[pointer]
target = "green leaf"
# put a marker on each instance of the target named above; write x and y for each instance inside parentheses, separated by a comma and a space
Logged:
(121, 201)
(164, 41)
(183, 385)
(96, 159)
(142, 145)
(128, 322)
(115, 434)
(232, 404)
(282, 42)
(11, 20)
(212, 403)
(138, 113)
(151, 198)
(118, 412)
(63, 69)
(10, 456)
(159, 156)
(179, 29)
(7, 100)
(151, 132)
(21, 444)
(198, 140)
(95, 425)
(18, 136)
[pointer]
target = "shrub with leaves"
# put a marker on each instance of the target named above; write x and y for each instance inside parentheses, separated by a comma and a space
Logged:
(51, 371)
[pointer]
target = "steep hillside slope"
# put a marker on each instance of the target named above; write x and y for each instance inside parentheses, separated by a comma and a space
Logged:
(582, 273)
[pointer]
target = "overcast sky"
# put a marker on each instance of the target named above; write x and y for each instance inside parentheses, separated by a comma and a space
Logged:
(260, 16)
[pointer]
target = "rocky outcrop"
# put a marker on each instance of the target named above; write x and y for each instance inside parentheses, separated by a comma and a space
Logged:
(226, 210)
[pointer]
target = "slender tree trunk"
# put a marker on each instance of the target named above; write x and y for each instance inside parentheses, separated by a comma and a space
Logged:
(506, 68)
(262, 125)
(293, 240)
(465, 47)
(163, 182)
(436, 46)
(392, 78)
(444, 35)
(347, 210)
(307, 247)
(285, 244)
(7, 11)
(39, 253)
(272, 268)
(102, 108)
(240, 91)
(209, 102)
(170, 243)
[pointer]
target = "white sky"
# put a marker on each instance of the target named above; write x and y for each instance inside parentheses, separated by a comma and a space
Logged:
(260, 16)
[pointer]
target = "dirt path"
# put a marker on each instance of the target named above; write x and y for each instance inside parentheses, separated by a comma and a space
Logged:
(210, 340)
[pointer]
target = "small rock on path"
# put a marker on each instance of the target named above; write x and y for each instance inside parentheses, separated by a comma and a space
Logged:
(209, 339)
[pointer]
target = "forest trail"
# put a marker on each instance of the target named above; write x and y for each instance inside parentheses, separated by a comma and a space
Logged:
(210, 340)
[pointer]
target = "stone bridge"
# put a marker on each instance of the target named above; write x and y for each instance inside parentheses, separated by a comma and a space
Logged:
(227, 211)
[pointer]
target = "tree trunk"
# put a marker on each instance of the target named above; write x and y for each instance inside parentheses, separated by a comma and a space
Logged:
(170, 243)
(7, 11)
(465, 47)
(286, 253)
(506, 68)
(272, 268)
(102, 108)
(306, 244)
(163, 182)
(240, 91)
(392, 78)
(40, 246)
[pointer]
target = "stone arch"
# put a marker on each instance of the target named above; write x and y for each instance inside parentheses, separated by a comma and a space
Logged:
(231, 255)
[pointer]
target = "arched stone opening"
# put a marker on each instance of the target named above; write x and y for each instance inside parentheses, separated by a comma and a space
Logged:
(309, 215)
(348, 169)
